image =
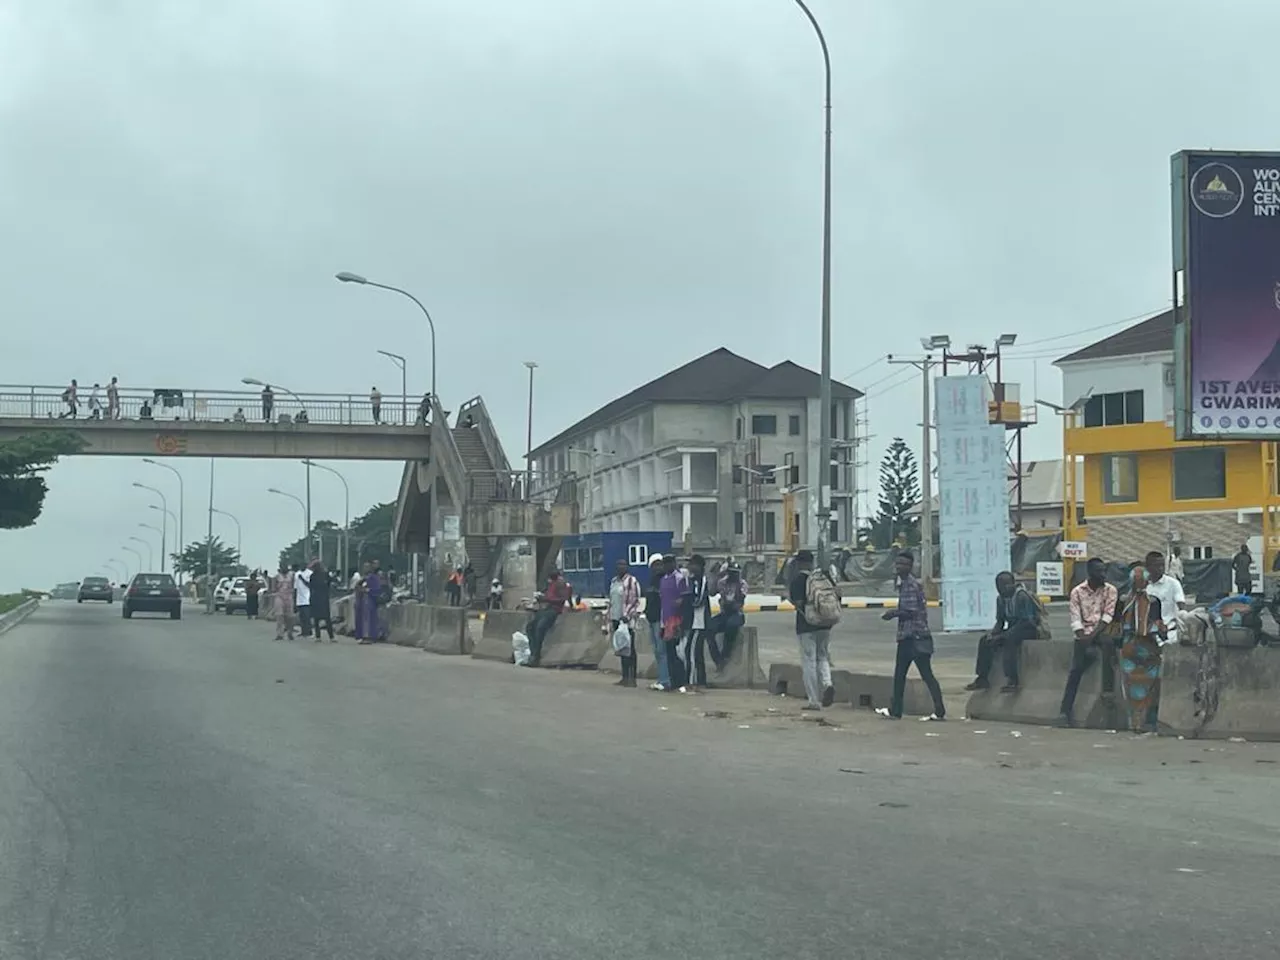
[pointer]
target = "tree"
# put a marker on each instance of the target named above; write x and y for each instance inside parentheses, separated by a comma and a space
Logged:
(22, 461)
(370, 540)
(194, 558)
(899, 492)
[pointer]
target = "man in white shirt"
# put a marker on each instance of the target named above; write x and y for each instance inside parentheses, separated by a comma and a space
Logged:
(1175, 564)
(302, 597)
(1168, 591)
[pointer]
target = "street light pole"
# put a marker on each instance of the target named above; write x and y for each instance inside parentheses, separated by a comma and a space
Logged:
(135, 553)
(232, 517)
(208, 549)
(346, 277)
(307, 508)
(306, 539)
(824, 389)
(164, 522)
(346, 522)
(924, 365)
(182, 510)
(399, 361)
(528, 450)
(151, 557)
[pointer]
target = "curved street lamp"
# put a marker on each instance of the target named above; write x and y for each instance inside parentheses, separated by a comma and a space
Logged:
(306, 536)
(346, 497)
(180, 522)
(232, 517)
(824, 388)
(348, 277)
(165, 522)
(125, 546)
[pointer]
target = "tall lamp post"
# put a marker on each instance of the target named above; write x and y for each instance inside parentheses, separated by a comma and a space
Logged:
(125, 546)
(164, 523)
(168, 513)
(346, 497)
(117, 562)
(824, 389)
(150, 556)
(233, 519)
(528, 449)
(182, 512)
(347, 277)
(306, 517)
(399, 361)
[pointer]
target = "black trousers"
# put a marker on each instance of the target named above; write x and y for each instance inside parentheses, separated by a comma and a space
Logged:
(628, 663)
(540, 625)
(1010, 648)
(675, 665)
(321, 614)
(1085, 655)
(694, 647)
(729, 625)
(924, 666)
(304, 619)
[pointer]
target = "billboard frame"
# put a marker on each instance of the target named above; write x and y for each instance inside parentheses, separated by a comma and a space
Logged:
(1183, 318)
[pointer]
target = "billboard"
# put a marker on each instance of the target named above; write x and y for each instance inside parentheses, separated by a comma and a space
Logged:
(973, 502)
(1226, 288)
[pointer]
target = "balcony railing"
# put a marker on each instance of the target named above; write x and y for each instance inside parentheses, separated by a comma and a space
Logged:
(206, 406)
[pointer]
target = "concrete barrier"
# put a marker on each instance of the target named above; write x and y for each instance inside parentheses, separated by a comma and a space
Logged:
(447, 632)
(19, 613)
(576, 640)
(742, 671)
(1244, 701)
(858, 689)
(1043, 675)
(494, 642)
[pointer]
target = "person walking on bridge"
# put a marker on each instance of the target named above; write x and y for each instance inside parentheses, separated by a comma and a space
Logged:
(268, 403)
(113, 399)
(70, 397)
(375, 404)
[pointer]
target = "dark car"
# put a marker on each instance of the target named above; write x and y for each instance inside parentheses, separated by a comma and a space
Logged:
(152, 593)
(95, 588)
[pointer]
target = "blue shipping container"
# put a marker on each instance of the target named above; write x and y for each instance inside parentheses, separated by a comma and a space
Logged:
(588, 559)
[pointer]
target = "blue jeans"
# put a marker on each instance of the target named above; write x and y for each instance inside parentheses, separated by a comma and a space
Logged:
(660, 654)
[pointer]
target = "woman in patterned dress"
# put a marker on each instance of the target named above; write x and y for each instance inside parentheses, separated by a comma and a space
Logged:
(1140, 660)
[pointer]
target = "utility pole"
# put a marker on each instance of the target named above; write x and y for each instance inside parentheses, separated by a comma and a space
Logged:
(924, 365)
(208, 550)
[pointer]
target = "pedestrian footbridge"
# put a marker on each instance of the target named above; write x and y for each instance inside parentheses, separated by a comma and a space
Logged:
(180, 422)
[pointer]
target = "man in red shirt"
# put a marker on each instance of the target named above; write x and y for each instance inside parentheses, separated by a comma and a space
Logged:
(551, 603)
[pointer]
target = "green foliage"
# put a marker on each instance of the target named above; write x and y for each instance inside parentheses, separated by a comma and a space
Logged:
(370, 540)
(22, 461)
(194, 557)
(11, 601)
(899, 492)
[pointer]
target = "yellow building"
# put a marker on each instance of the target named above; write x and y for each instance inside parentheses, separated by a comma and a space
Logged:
(1142, 489)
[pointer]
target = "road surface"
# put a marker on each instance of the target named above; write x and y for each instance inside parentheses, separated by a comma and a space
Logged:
(193, 790)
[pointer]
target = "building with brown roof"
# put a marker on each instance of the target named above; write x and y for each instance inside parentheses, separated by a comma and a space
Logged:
(722, 451)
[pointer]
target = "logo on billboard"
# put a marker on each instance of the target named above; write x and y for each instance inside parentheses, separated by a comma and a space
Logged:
(1217, 190)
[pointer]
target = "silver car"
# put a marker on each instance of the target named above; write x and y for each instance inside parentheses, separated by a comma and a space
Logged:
(235, 596)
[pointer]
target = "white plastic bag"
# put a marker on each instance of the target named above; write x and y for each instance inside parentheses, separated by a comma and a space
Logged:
(520, 648)
(622, 640)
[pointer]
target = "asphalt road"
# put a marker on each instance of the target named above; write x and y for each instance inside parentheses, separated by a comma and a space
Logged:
(194, 790)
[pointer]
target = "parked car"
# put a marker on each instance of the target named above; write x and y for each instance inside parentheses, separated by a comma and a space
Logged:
(95, 588)
(235, 598)
(152, 593)
(220, 592)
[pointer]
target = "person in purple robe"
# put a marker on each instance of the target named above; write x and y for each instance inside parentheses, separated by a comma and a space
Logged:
(367, 619)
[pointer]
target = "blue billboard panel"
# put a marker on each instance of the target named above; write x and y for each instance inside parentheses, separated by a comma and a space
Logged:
(1227, 294)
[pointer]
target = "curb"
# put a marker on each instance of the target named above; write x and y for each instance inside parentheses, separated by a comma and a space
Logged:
(19, 613)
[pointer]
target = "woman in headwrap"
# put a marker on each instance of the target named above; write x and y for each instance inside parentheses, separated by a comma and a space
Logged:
(1142, 629)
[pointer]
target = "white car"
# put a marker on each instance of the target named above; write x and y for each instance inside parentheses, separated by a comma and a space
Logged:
(220, 592)
(235, 598)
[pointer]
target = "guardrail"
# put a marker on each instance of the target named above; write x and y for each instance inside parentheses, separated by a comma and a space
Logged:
(479, 414)
(165, 404)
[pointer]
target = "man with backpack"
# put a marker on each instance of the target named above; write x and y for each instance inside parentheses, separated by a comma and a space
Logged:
(1018, 618)
(813, 593)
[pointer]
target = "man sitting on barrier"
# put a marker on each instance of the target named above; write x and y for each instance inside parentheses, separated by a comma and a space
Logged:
(550, 605)
(1017, 619)
(1093, 608)
(730, 620)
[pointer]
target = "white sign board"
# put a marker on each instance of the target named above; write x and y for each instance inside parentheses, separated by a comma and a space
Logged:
(973, 503)
(1049, 580)
(1073, 549)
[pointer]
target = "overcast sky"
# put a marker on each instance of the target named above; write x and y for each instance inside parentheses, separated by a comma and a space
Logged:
(608, 187)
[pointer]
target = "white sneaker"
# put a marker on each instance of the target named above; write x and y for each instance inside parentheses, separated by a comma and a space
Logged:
(933, 717)
(684, 689)
(657, 686)
(884, 712)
